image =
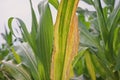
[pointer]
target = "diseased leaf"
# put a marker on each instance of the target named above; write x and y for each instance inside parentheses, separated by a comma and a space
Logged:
(63, 26)
(71, 48)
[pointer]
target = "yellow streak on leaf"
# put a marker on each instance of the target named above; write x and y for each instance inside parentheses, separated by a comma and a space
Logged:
(90, 66)
(72, 48)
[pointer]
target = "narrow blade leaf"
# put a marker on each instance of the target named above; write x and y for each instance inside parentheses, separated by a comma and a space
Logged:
(45, 38)
(90, 66)
(55, 3)
(17, 71)
(63, 25)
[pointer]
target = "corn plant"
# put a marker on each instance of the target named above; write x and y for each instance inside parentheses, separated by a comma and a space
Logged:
(48, 50)
(4, 54)
(99, 54)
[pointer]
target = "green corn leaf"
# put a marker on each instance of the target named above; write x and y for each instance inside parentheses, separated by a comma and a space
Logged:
(117, 66)
(17, 57)
(78, 63)
(28, 59)
(112, 24)
(17, 71)
(24, 30)
(45, 38)
(105, 11)
(10, 25)
(113, 18)
(80, 55)
(99, 68)
(104, 31)
(34, 20)
(55, 3)
(116, 40)
(26, 35)
(7, 36)
(34, 25)
(22, 26)
(110, 4)
(90, 2)
(116, 47)
(90, 66)
(3, 53)
(101, 21)
(87, 38)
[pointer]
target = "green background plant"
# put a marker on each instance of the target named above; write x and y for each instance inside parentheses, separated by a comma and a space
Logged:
(100, 34)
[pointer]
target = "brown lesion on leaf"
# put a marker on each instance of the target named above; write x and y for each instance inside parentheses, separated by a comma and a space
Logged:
(72, 47)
